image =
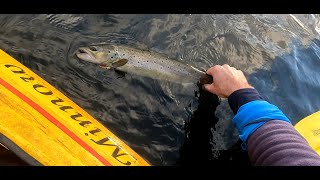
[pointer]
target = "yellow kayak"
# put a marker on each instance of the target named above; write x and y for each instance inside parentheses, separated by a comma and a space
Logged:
(309, 128)
(44, 127)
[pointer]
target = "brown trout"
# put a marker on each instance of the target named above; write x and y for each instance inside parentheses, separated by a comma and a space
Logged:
(143, 63)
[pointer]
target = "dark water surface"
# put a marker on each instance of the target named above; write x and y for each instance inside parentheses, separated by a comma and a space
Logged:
(168, 123)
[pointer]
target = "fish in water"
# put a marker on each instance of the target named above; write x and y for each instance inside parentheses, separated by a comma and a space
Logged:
(143, 63)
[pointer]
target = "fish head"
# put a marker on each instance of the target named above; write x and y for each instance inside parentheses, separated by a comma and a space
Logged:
(102, 55)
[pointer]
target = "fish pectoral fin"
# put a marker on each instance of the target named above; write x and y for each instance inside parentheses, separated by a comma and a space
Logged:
(119, 63)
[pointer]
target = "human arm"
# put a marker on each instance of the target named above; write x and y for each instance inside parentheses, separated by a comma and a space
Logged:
(266, 132)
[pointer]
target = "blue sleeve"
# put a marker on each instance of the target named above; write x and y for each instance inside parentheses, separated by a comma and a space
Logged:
(253, 112)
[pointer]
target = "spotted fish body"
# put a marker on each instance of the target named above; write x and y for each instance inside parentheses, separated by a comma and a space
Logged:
(142, 63)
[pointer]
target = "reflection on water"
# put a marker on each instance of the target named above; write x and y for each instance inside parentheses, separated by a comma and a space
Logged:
(161, 120)
(293, 81)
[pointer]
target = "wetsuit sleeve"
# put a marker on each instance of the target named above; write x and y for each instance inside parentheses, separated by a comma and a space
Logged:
(277, 143)
(267, 133)
(241, 97)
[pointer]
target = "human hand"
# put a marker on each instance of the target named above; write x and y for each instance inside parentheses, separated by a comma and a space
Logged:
(226, 80)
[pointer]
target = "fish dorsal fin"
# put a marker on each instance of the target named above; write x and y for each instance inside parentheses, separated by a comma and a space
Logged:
(119, 63)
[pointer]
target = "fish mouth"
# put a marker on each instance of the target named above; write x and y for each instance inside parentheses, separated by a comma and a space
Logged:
(84, 54)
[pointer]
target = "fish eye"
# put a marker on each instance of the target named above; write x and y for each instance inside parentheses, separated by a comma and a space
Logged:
(93, 48)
